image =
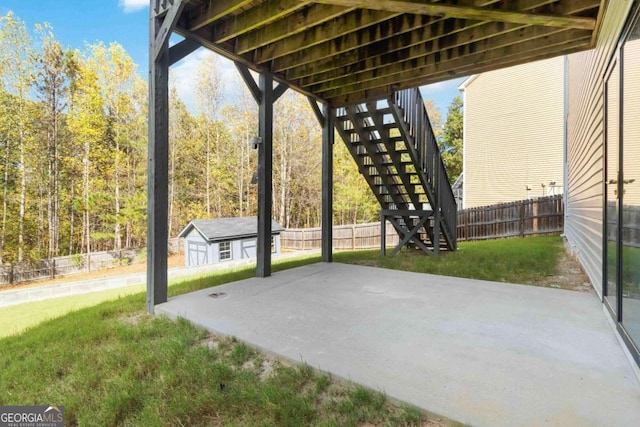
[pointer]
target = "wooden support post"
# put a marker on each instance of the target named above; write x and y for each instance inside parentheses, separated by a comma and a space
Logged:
(265, 168)
(327, 183)
(160, 28)
(265, 95)
(436, 221)
(383, 234)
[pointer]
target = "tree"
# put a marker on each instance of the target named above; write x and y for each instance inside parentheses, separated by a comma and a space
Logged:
(297, 161)
(451, 141)
(435, 117)
(52, 82)
(124, 104)
(241, 122)
(208, 94)
(87, 126)
(16, 58)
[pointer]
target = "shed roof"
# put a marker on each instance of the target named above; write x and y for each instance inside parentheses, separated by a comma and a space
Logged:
(350, 51)
(228, 228)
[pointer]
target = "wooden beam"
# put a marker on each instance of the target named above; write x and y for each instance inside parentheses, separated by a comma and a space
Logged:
(212, 10)
(435, 76)
(316, 110)
(412, 45)
(577, 6)
(345, 24)
(467, 12)
(182, 49)
(376, 31)
(160, 7)
(299, 22)
(168, 24)
(279, 90)
(202, 36)
(328, 136)
(334, 49)
(386, 71)
(249, 81)
(256, 17)
(397, 61)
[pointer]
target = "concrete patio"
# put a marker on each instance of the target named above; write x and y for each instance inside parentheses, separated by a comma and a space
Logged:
(482, 353)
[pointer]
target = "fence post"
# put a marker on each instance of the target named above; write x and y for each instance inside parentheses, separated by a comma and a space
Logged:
(522, 219)
(353, 237)
(11, 274)
(53, 268)
(303, 240)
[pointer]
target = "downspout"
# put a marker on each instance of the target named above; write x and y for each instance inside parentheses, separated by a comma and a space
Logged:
(463, 89)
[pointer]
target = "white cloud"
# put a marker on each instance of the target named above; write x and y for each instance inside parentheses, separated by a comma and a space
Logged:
(130, 6)
(183, 77)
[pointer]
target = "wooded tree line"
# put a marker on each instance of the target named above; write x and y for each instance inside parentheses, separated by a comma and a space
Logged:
(73, 151)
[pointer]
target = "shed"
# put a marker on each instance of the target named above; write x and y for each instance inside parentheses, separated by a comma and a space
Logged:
(208, 241)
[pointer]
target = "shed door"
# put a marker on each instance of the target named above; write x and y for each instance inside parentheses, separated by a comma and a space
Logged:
(197, 253)
(248, 248)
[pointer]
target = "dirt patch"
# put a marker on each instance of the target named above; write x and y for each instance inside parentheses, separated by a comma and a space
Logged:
(569, 275)
(134, 319)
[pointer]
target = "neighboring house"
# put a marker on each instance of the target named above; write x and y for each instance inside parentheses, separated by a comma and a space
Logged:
(513, 133)
(208, 241)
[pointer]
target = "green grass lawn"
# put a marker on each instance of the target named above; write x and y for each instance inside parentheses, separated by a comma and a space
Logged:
(112, 364)
(16, 318)
(510, 260)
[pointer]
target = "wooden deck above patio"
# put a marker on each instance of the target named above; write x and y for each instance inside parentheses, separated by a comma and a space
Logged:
(348, 51)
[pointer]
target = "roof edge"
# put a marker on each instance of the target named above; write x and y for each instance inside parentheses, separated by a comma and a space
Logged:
(467, 82)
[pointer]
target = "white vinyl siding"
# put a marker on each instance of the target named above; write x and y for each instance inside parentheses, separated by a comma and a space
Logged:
(514, 133)
(583, 222)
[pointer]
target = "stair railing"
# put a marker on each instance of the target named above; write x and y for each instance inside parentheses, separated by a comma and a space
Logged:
(429, 159)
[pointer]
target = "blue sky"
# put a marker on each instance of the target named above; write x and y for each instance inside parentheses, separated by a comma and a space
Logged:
(126, 22)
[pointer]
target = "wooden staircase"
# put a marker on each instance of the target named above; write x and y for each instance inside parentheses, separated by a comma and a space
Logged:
(393, 144)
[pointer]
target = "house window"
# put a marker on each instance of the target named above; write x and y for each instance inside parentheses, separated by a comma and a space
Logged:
(225, 251)
(273, 244)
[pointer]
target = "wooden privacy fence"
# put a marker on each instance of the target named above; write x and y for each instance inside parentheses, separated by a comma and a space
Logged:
(516, 219)
(357, 236)
(63, 266)
(630, 224)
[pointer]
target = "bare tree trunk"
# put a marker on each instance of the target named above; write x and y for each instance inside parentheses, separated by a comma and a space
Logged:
(218, 186)
(86, 225)
(23, 200)
(240, 179)
(117, 243)
(208, 173)
(5, 193)
(71, 216)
